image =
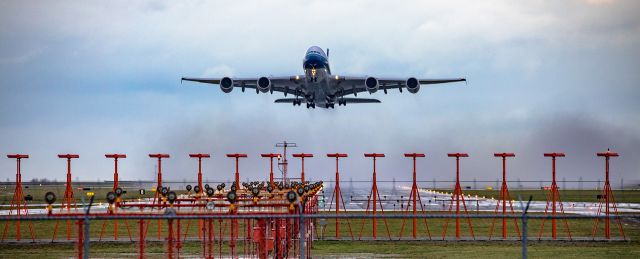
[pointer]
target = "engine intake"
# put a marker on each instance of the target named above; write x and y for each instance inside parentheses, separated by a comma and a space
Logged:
(413, 85)
(372, 84)
(226, 84)
(264, 84)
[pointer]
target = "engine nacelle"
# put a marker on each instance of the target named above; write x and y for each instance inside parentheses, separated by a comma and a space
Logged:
(371, 83)
(226, 84)
(264, 84)
(413, 85)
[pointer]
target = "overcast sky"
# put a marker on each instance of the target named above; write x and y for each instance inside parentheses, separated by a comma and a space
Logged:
(96, 77)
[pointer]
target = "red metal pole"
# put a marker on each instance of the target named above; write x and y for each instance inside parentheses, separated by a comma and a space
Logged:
(115, 173)
(553, 198)
(337, 194)
(141, 239)
(554, 191)
(271, 156)
(68, 193)
(457, 194)
(18, 199)
(115, 186)
(159, 157)
(170, 238)
(200, 156)
(374, 191)
(504, 190)
(302, 156)
(414, 192)
(607, 192)
(237, 157)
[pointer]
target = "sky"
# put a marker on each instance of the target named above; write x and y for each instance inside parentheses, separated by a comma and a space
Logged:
(98, 77)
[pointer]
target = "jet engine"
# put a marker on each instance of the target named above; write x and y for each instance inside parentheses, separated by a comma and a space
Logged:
(264, 84)
(372, 84)
(413, 85)
(226, 84)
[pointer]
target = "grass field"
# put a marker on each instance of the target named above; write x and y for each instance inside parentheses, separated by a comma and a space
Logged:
(566, 195)
(357, 249)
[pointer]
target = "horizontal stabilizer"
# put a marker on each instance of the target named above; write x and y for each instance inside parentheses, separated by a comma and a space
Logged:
(359, 100)
(346, 99)
(290, 100)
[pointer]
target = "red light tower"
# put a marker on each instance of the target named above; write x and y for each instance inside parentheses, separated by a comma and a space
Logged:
(271, 156)
(302, 156)
(285, 164)
(414, 197)
(337, 193)
(200, 156)
(18, 202)
(234, 222)
(117, 203)
(156, 195)
(375, 197)
(457, 197)
(68, 195)
(159, 157)
(115, 173)
(237, 157)
(504, 197)
(607, 198)
(554, 198)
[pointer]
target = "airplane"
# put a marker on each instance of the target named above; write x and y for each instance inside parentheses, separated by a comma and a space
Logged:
(318, 87)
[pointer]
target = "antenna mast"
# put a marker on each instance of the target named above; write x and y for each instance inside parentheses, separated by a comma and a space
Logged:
(284, 145)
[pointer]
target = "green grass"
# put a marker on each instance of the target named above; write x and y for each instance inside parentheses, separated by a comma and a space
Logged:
(382, 248)
(357, 249)
(473, 250)
(566, 195)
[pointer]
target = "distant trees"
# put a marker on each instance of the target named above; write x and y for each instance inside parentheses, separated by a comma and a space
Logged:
(41, 180)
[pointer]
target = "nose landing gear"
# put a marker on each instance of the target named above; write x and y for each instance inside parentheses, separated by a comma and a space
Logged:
(311, 105)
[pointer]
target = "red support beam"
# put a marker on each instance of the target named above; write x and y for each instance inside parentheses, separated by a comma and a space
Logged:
(159, 157)
(115, 173)
(68, 199)
(414, 198)
(337, 193)
(237, 157)
(457, 196)
(271, 156)
(302, 156)
(200, 157)
(117, 203)
(504, 197)
(156, 196)
(18, 203)
(375, 196)
(609, 201)
(554, 199)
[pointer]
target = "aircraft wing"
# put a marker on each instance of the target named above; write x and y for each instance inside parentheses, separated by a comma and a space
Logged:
(283, 84)
(355, 85)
